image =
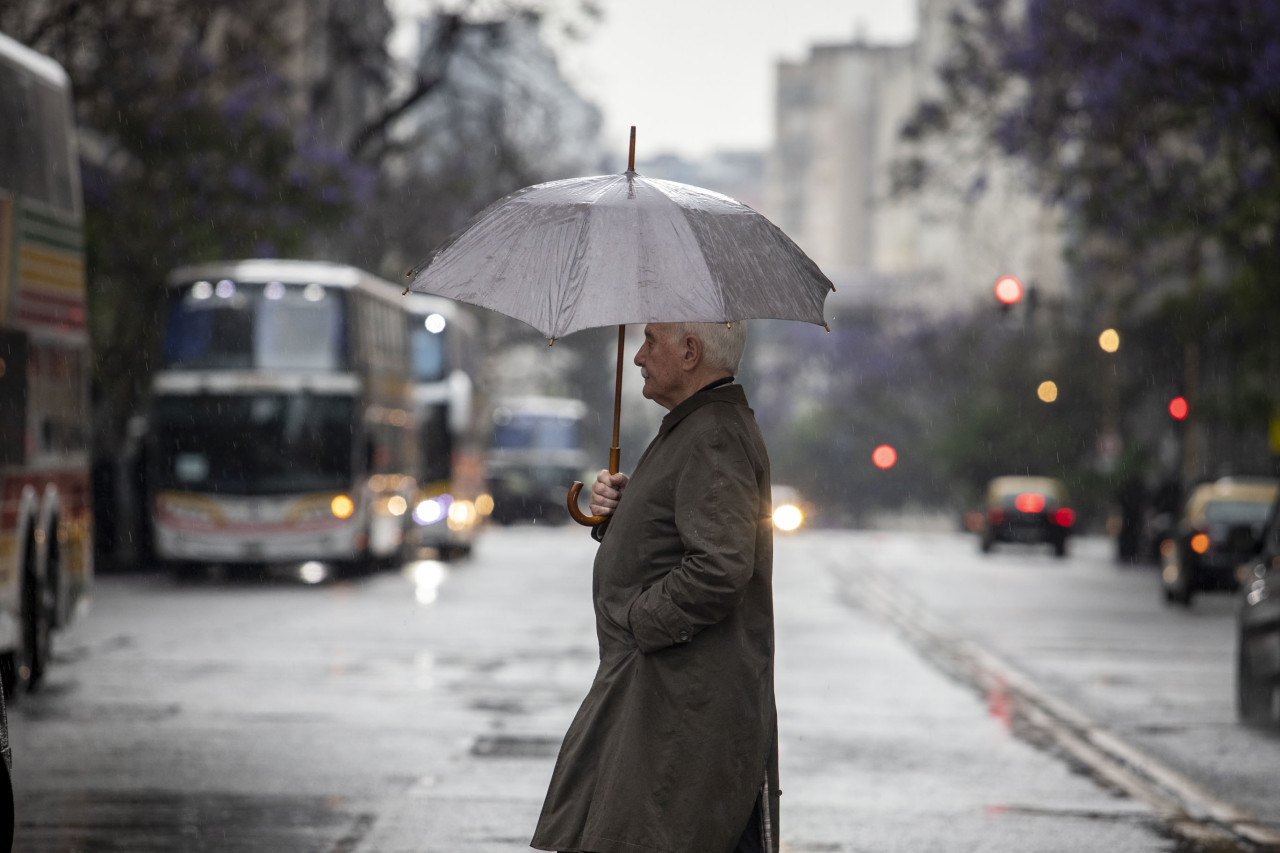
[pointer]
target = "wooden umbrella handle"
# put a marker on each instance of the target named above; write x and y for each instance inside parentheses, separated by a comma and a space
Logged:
(615, 453)
(577, 514)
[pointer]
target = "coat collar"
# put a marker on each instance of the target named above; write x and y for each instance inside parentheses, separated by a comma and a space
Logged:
(720, 394)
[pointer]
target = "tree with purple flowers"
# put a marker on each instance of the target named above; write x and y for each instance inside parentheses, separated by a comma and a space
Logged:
(1156, 126)
(244, 128)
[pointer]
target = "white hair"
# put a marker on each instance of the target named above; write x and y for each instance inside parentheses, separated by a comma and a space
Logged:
(722, 343)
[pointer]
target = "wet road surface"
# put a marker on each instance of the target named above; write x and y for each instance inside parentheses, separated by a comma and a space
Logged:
(420, 710)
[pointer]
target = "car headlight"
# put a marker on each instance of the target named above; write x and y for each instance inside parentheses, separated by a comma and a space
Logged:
(787, 517)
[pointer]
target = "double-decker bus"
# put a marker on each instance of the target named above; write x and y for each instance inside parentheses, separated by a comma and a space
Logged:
(281, 425)
(46, 521)
(451, 503)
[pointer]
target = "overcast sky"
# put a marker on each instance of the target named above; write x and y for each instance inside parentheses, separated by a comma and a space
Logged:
(698, 75)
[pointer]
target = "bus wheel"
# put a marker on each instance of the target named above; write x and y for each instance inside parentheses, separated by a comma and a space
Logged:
(22, 668)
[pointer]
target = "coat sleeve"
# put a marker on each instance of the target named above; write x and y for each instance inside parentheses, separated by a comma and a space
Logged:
(717, 510)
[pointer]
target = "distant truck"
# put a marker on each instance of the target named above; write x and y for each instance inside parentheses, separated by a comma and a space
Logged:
(535, 453)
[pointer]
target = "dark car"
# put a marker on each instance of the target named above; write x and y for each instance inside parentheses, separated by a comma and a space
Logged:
(1219, 529)
(1030, 510)
(1258, 631)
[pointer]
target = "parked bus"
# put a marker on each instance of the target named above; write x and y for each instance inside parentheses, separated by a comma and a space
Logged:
(535, 454)
(281, 419)
(46, 520)
(450, 505)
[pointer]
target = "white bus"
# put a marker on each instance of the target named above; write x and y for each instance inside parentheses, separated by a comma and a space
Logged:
(281, 426)
(46, 520)
(451, 503)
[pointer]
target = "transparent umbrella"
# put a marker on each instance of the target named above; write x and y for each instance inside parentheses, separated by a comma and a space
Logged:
(618, 249)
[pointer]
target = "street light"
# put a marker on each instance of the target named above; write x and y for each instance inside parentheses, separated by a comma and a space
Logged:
(1179, 408)
(1048, 391)
(1109, 340)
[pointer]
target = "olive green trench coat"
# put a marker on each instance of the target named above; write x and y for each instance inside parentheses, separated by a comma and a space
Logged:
(677, 736)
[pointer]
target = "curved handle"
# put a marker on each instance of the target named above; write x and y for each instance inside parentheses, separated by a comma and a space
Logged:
(577, 514)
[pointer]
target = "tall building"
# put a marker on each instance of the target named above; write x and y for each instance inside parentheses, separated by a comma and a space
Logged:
(838, 118)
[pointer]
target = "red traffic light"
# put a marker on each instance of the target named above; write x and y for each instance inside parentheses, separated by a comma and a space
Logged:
(884, 456)
(1008, 290)
(1178, 408)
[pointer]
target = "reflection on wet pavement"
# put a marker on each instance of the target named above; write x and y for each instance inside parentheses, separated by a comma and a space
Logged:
(166, 822)
(427, 576)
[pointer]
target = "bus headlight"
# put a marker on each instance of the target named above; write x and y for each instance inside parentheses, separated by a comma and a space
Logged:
(432, 510)
(342, 506)
(462, 514)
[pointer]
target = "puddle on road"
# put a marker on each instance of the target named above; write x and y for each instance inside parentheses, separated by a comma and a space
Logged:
(166, 822)
(515, 746)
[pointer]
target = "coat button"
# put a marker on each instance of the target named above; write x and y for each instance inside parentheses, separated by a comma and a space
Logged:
(684, 636)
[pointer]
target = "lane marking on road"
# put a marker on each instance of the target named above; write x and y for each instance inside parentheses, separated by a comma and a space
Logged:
(1184, 807)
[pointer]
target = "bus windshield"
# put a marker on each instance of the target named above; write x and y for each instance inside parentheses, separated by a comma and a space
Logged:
(253, 444)
(514, 431)
(428, 353)
(227, 325)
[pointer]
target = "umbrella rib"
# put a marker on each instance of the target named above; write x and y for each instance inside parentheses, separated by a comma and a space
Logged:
(567, 309)
(699, 257)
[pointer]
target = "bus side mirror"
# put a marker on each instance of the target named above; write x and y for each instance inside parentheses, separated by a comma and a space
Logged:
(459, 402)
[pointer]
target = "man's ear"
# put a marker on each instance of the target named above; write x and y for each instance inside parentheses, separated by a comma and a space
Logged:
(692, 355)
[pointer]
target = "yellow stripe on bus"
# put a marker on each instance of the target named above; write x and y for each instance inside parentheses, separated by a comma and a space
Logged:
(60, 270)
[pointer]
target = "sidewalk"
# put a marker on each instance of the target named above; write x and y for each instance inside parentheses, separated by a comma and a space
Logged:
(879, 751)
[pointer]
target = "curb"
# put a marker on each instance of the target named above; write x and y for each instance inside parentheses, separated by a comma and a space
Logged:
(1185, 808)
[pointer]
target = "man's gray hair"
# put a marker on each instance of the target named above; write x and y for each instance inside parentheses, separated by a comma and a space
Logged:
(722, 344)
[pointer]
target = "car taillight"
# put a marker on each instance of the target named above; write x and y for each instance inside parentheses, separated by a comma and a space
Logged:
(1200, 543)
(1029, 502)
(995, 515)
(1064, 517)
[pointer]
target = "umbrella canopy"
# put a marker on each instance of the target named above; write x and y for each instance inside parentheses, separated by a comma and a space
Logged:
(612, 250)
(617, 249)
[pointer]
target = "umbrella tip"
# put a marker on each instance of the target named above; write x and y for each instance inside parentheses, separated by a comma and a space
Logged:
(404, 292)
(551, 342)
(825, 326)
(833, 288)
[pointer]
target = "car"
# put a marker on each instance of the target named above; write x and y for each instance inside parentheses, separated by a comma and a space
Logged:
(1219, 528)
(1258, 630)
(1032, 510)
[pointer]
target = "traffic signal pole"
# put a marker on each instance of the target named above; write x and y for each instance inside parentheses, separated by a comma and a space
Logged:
(1191, 433)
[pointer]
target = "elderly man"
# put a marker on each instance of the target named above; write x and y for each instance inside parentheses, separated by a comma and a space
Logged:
(674, 749)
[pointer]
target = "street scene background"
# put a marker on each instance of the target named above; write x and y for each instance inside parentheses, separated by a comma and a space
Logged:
(1028, 550)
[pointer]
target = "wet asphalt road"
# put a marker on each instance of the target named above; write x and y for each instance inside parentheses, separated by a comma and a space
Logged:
(419, 710)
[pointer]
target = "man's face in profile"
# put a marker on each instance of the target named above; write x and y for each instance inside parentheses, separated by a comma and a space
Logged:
(659, 360)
